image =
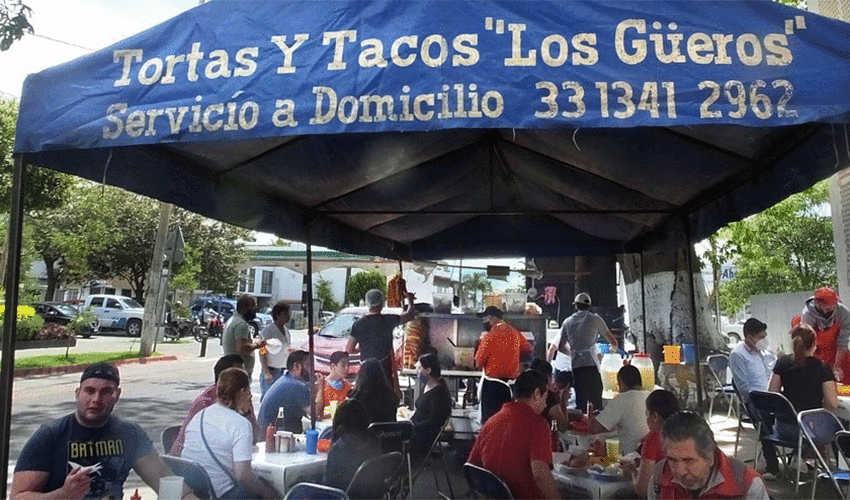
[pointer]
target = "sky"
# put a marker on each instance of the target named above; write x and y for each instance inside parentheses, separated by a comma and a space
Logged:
(81, 25)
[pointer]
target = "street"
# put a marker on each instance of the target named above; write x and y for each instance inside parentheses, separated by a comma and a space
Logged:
(154, 395)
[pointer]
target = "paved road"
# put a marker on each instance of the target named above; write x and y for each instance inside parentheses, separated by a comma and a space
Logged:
(154, 395)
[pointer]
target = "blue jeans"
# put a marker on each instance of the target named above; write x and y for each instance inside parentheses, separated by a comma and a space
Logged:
(264, 386)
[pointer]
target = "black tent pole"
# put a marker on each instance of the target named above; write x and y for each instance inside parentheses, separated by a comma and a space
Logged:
(13, 278)
(643, 303)
(310, 334)
(689, 249)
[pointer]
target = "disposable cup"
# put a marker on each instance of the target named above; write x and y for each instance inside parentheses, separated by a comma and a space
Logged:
(612, 448)
(170, 488)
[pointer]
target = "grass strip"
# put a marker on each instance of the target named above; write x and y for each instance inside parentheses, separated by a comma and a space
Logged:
(50, 360)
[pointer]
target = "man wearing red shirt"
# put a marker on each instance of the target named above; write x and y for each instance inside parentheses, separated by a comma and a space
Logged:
(498, 355)
(516, 444)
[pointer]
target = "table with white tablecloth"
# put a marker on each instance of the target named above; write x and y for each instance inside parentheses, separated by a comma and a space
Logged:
(586, 486)
(284, 470)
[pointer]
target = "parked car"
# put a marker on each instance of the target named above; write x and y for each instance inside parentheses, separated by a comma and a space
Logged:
(333, 336)
(117, 312)
(734, 332)
(226, 307)
(62, 314)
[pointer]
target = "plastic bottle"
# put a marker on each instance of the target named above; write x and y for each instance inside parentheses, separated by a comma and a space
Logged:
(270, 447)
(644, 365)
(556, 439)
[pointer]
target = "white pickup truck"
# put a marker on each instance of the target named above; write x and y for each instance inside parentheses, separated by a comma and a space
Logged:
(117, 312)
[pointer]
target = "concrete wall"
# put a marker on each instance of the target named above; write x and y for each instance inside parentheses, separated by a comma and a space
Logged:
(776, 310)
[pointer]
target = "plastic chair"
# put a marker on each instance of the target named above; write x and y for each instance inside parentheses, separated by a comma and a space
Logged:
(168, 435)
(717, 365)
(195, 476)
(313, 491)
(434, 450)
(375, 476)
(777, 406)
(485, 483)
(395, 435)
(820, 428)
(327, 433)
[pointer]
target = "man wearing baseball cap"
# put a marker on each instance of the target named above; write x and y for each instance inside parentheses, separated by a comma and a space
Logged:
(372, 335)
(580, 331)
(499, 355)
(830, 319)
(89, 453)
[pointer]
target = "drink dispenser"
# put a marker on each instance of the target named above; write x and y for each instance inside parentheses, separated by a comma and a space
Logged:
(642, 362)
(611, 364)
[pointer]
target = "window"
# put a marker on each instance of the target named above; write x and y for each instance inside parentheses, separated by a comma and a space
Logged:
(112, 303)
(97, 302)
(126, 292)
(266, 286)
(109, 291)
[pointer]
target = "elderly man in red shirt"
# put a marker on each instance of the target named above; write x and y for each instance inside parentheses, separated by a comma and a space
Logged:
(499, 355)
(516, 443)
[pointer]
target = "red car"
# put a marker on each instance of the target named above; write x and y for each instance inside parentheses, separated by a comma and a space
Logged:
(334, 337)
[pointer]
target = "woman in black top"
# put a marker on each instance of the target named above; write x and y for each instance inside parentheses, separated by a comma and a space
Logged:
(802, 378)
(372, 388)
(433, 407)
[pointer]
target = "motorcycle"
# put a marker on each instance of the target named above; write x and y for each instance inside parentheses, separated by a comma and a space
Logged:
(214, 324)
(184, 327)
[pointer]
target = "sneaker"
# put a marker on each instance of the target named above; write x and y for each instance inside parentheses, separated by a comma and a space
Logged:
(769, 476)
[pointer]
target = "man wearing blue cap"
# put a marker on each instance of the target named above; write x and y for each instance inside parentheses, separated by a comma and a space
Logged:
(89, 453)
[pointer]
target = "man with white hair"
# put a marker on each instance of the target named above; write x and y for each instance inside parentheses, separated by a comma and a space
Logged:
(581, 331)
(373, 333)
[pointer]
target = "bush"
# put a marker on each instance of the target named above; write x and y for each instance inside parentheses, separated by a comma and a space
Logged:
(29, 323)
(53, 331)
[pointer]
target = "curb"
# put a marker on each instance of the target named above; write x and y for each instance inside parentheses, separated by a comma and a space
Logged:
(61, 370)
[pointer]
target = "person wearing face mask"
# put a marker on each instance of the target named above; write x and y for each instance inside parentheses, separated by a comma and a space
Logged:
(830, 320)
(751, 363)
(433, 407)
(236, 338)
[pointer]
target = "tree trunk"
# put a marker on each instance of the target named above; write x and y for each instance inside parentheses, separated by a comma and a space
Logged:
(51, 278)
(668, 303)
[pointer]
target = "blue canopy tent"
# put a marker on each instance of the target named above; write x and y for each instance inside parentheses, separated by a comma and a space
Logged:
(433, 129)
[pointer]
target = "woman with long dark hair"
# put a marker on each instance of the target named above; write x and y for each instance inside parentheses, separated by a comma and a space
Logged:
(372, 388)
(433, 407)
(801, 377)
(352, 445)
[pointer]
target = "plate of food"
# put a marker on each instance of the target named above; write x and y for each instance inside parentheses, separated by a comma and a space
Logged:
(612, 473)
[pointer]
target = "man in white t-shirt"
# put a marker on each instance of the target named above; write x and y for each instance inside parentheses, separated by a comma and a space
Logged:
(273, 365)
(626, 413)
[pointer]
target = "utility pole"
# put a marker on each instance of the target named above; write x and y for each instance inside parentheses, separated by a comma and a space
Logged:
(153, 296)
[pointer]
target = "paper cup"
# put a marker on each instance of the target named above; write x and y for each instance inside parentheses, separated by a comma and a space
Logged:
(612, 448)
(170, 488)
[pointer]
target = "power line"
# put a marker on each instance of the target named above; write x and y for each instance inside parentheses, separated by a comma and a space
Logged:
(62, 42)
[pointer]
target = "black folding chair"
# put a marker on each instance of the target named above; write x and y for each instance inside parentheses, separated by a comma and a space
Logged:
(434, 451)
(485, 483)
(313, 491)
(168, 435)
(774, 407)
(744, 417)
(842, 440)
(394, 436)
(375, 477)
(820, 428)
(195, 476)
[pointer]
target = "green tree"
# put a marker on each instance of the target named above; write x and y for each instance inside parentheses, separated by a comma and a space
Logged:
(361, 283)
(186, 274)
(477, 282)
(323, 292)
(221, 250)
(787, 248)
(13, 22)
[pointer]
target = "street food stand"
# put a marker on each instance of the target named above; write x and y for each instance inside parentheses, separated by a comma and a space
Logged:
(450, 129)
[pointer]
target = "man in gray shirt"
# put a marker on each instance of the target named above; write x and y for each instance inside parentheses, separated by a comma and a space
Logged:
(236, 338)
(581, 331)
